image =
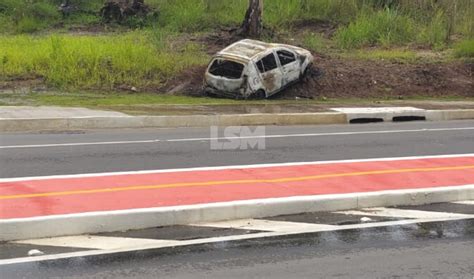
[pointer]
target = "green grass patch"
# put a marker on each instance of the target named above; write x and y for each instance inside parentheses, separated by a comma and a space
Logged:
(464, 49)
(364, 22)
(386, 27)
(27, 16)
(393, 55)
(314, 42)
(102, 62)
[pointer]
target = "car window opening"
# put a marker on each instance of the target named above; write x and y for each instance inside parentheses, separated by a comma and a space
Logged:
(227, 69)
(268, 63)
(286, 57)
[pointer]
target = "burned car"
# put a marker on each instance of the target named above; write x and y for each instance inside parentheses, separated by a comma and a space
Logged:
(252, 68)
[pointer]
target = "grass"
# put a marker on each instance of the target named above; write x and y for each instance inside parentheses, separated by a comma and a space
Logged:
(28, 16)
(464, 49)
(314, 42)
(153, 104)
(386, 27)
(392, 55)
(144, 56)
(104, 100)
(97, 62)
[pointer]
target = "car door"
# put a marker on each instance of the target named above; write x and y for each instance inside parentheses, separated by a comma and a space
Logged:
(271, 74)
(289, 64)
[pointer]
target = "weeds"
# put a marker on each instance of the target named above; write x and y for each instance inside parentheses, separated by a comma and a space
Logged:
(26, 17)
(394, 55)
(387, 27)
(95, 61)
(364, 22)
(464, 49)
(314, 42)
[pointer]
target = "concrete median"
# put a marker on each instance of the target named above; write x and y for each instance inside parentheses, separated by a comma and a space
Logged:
(95, 203)
(88, 223)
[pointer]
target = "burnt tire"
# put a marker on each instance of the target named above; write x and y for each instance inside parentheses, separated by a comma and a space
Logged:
(260, 95)
(305, 76)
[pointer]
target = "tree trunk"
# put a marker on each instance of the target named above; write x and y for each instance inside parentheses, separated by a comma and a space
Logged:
(252, 25)
(66, 8)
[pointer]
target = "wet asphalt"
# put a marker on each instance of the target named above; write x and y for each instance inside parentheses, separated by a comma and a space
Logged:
(434, 250)
(429, 250)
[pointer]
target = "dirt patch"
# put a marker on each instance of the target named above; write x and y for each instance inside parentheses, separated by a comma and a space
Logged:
(188, 82)
(347, 78)
(331, 78)
(326, 28)
(224, 37)
(26, 83)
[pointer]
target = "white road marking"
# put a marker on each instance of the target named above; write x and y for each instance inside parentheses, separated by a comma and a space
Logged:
(151, 141)
(403, 213)
(96, 242)
(267, 225)
(465, 202)
(371, 110)
(77, 144)
(16, 179)
(220, 239)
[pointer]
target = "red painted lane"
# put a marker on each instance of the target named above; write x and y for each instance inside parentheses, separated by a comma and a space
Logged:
(132, 199)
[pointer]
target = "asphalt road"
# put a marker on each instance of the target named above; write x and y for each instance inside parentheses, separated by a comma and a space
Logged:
(367, 253)
(41, 154)
(411, 251)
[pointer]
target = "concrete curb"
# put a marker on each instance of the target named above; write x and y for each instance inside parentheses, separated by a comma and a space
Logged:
(24, 125)
(445, 115)
(64, 124)
(87, 223)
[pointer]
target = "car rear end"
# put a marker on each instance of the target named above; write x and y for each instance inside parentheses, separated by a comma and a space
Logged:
(226, 77)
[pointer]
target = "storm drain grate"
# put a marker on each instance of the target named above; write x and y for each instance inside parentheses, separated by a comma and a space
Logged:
(408, 118)
(366, 120)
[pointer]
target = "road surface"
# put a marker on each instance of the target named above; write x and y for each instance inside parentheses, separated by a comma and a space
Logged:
(131, 150)
(443, 249)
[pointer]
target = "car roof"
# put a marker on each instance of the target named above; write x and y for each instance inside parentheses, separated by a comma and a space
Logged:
(245, 50)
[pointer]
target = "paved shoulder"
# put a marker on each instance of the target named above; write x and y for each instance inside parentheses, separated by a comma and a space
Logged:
(445, 220)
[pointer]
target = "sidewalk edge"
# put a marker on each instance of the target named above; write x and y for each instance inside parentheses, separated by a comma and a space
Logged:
(324, 118)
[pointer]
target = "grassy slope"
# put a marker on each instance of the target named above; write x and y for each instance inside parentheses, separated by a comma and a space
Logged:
(150, 56)
(137, 58)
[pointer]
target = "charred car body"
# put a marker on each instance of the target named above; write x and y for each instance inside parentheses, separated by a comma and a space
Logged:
(252, 68)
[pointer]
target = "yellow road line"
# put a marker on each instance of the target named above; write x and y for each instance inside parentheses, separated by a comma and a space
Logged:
(232, 182)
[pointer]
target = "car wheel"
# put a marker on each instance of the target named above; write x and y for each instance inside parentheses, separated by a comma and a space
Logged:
(306, 73)
(260, 95)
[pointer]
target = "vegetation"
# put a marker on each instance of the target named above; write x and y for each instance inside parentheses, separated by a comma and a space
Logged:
(66, 61)
(456, 16)
(36, 42)
(465, 49)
